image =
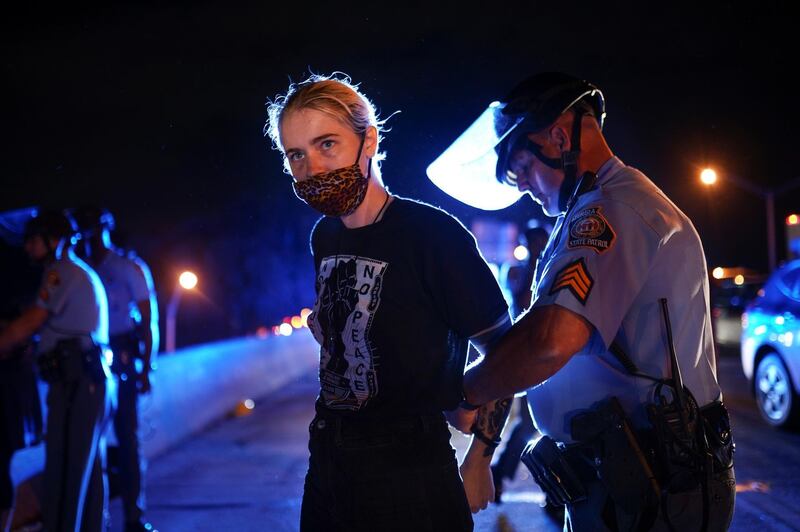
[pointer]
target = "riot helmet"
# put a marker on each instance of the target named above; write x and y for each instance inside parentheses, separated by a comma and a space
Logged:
(535, 104)
(474, 168)
(52, 224)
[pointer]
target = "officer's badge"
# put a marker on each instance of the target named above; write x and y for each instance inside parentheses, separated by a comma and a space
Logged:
(590, 229)
(575, 278)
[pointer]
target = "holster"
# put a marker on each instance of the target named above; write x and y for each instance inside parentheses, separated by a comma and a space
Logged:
(127, 348)
(677, 446)
(546, 461)
(718, 436)
(619, 460)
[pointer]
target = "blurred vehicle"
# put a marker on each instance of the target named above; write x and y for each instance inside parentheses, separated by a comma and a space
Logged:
(771, 346)
(728, 303)
(731, 290)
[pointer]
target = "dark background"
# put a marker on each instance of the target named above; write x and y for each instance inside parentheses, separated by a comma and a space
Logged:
(156, 111)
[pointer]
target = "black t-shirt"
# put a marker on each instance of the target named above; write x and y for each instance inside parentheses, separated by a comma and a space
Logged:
(396, 302)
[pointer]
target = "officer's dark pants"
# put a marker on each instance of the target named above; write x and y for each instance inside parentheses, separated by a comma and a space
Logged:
(683, 511)
(126, 421)
(6, 484)
(74, 494)
(400, 475)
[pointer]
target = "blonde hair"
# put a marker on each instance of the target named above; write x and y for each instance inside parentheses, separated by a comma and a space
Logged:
(334, 95)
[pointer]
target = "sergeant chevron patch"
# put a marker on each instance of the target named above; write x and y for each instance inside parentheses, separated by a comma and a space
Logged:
(576, 279)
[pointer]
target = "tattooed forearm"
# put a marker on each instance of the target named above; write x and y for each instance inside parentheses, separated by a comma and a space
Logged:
(492, 418)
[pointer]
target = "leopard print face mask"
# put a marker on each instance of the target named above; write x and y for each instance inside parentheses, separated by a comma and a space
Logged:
(338, 192)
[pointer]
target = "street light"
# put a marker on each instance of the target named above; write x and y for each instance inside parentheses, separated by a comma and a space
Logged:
(709, 177)
(186, 281)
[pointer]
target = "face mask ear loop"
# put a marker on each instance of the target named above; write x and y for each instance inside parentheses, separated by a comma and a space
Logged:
(358, 157)
(361, 146)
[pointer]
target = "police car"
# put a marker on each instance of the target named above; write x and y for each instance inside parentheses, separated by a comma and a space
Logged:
(770, 347)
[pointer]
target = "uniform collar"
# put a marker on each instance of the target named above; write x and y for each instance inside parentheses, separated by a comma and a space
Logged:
(608, 169)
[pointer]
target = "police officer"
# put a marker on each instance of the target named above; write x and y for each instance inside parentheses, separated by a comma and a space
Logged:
(622, 280)
(71, 316)
(133, 329)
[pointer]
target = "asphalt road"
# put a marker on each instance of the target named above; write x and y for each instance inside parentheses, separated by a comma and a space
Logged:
(246, 473)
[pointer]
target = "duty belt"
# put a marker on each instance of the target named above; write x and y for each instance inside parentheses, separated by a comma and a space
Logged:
(69, 362)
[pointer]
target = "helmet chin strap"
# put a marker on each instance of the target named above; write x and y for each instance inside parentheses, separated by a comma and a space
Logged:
(569, 163)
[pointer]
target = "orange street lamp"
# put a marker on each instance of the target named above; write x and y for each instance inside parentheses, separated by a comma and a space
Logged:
(709, 177)
(186, 281)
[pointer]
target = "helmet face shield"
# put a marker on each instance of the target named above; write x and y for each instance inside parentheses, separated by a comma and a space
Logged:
(52, 223)
(474, 169)
(12, 225)
(467, 168)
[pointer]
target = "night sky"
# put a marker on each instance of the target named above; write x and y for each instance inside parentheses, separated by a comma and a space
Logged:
(156, 111)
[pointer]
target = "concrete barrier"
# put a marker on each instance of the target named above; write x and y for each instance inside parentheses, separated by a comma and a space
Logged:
(196, 386)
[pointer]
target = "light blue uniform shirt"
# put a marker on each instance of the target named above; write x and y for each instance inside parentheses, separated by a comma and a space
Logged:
(75, 300)
(623, 246)
(126, 282)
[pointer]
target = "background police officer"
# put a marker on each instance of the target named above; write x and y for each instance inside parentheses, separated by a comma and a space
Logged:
(519, 280)
(71, 316)
(133, 328)
(597, 328)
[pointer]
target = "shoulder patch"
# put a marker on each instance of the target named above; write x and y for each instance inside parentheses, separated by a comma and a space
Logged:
(575, 278)
(590, 229)
(53, 279)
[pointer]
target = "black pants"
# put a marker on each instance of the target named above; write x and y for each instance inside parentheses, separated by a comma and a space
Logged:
(679, 512)
(401, 475)
(126, 424)
(6, 484)
(74, 485)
